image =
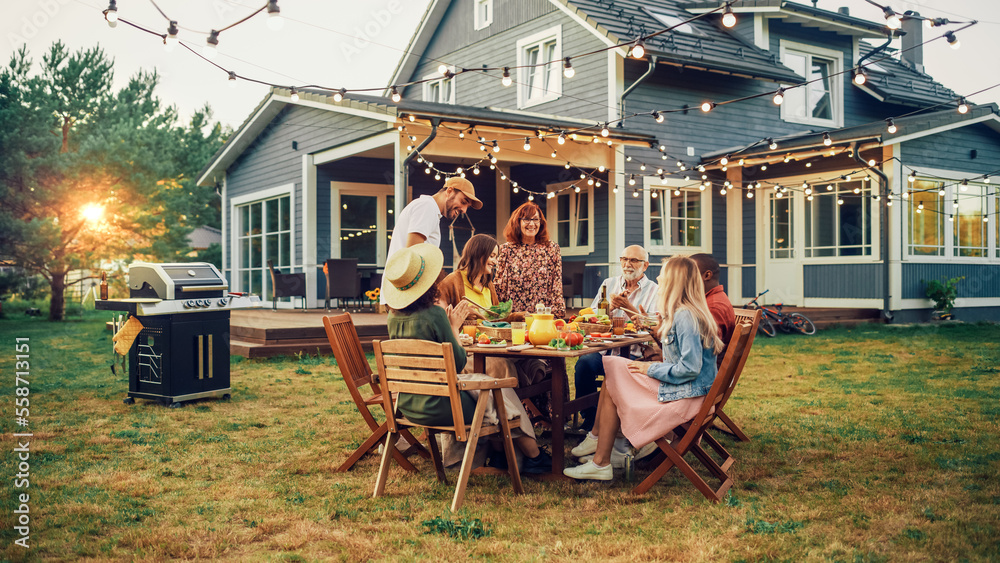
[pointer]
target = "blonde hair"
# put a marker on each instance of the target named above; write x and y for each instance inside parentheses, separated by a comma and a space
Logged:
(680, 287)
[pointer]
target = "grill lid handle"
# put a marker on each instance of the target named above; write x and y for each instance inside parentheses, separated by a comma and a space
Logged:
(203, 287)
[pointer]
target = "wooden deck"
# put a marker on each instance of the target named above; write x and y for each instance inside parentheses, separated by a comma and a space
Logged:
(261, 333)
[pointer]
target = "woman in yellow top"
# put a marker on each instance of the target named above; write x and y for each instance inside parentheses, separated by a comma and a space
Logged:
(473, 278)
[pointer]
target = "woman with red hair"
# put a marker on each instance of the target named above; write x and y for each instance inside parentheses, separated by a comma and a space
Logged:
(529, 268)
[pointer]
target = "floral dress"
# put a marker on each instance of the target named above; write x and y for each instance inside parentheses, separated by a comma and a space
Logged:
(530, 274)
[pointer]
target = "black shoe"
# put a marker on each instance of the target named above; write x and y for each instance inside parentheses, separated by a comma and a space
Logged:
(542, 463)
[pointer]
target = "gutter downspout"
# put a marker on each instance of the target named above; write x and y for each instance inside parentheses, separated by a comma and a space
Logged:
(640, 80)
(883, 189)
(435, 121)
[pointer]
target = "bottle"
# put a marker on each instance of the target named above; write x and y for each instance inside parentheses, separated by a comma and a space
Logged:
(602, 305)
(104, 286)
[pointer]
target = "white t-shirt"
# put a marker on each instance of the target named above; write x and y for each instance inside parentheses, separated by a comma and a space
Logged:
(421, 216)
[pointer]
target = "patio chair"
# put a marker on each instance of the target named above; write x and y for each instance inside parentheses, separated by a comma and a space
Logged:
(342, 280)
(357, 373)
(286, 285)
(743, 316)
(687, 437)
(428, 368)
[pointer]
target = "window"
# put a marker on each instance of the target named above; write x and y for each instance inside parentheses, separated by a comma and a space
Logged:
(969, 231)
(926, 213)
(361, 221)
(782, 228)
(820, 102)
(677, 219)
(484, 13)
(676, 22)
(838, 220)
(540, 74)
(264, 233)
(439, 89)
(570, 218)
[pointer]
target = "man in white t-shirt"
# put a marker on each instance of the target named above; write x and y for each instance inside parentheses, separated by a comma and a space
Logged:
(420, 221)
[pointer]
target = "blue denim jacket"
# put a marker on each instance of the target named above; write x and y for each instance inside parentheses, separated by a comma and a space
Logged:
(688, 369)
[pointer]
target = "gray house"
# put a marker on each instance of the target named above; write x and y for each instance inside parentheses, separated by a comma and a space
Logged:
(822, 199)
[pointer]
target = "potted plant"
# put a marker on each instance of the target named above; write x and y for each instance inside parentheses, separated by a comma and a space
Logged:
(943, 294)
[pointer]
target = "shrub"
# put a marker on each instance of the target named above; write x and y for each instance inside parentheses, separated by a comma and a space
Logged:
(943, 293)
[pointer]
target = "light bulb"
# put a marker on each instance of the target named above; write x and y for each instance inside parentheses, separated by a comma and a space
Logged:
(496, 147)
(860, 77)
(827, 141)
(771, 144)
(562, 139)
(963, 107)
(232, 79)
(707, 106)
(338, 96)
(111, 14)
(210, 50)
(631, 180)
(506, 80)
(639, 49)
(725, 160)
(295, 95)
(891, 18)
(443, 69)
(658, 117)
(527, 144)
(568, 70)
(952, 40)
(890, 126)
(394, 94)
(728, 17)
(779, 96)
(274, 20)
(604, 130)
(553, 155)
(411, 117)
(170, 41)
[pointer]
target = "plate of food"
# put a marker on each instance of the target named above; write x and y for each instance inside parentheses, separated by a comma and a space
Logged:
(500, 344)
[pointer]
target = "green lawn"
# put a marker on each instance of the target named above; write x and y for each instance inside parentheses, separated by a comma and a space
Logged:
(871, 444)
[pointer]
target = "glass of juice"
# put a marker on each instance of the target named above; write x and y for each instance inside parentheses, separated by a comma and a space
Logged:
(618, 325)
(469, 329)
(527, 321)
(517, 332)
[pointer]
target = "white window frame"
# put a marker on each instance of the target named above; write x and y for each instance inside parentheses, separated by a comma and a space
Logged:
(669, 185)
(951, 180)
(381, 191)
(480, 22)
(552, 217)
(524, 99)
(235, 228)
(836, 83)
(438, 80)
(841, 187)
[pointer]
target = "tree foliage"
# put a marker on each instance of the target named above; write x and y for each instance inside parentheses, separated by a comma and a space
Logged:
(89, 175)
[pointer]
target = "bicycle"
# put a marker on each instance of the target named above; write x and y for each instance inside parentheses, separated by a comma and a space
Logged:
(774, 317)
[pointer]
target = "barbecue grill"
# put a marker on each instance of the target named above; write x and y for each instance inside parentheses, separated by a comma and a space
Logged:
(182, 352)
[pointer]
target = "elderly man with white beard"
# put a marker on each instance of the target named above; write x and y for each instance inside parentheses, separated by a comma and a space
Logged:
(631, 290)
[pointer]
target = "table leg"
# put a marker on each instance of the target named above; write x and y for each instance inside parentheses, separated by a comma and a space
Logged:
(479, 363)
(558, 420)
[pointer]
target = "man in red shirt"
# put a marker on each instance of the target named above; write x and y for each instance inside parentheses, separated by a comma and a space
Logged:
(718, 302)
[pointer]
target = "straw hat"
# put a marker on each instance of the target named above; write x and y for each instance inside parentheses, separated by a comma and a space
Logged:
(410, 272)
(461, 184)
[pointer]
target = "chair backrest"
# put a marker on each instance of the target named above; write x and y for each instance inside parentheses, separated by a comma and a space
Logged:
(749, 318)
(286, 285)
(350, 356)
(419, 367)
(732, 361)
(342, 279)
(572, 274)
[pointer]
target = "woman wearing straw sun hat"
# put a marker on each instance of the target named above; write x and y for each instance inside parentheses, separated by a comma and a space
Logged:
(411, 292)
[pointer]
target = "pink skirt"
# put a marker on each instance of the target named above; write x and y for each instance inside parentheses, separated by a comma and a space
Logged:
(644, 418)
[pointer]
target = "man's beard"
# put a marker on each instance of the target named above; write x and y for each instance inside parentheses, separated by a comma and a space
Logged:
(634, 276)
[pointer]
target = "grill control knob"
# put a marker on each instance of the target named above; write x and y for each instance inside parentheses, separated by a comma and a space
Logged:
(223, 302)
(188, 304)
(204, 303)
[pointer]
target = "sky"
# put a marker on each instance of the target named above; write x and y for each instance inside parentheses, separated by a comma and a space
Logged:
(357, 43)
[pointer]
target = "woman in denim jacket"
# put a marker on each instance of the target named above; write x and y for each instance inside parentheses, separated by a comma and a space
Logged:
(648, 399)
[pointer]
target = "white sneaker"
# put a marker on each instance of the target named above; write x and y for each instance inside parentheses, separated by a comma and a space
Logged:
(587, 446)
(617, 459)
(590, 471)
(646, 450)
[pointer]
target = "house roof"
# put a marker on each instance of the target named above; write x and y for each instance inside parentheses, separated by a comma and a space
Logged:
(710, 47)
(910, 127)
(894, 81)
(389, 111)
(793, 12)
(203, 237)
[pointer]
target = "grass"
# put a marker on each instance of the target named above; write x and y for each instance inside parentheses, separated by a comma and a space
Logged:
(878, 443)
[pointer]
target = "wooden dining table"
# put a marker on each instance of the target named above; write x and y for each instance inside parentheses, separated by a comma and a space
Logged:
(558, 384)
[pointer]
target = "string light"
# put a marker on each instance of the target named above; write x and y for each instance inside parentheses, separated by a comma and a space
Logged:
(506, 80)
(963, 107)
(635, 193)
(639, 49)
(562, 138)
(496, 147)
(295, 95)
(890, 126)
(631, 180)
(411, 117)
(170, 41)
(111, 14)
(912, 177)
(274, 20)
(232, 79)
(339, 95)
(771, 144)
(604, 130)
(210, 49)
(952, 39)
(527, 144)
(964, 186)
(443, 69)
(568, 70)
(658, 117)
(652, 193)
(779, 96)
(827, 141)
(707, 106)
(892, 20)
(725, 160)
(394, 94)
(728, 17)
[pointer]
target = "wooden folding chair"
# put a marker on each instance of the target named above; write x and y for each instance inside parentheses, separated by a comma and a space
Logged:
(357, 374)
(428, 368)
(752, 318)
(687, 437)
